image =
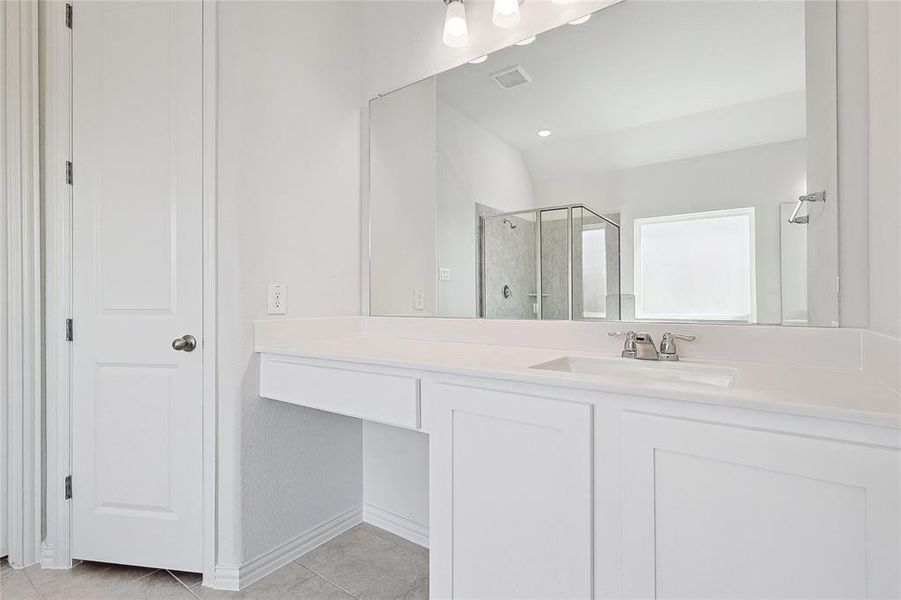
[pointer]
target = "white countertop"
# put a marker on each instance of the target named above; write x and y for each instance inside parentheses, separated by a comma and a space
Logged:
(835, 393)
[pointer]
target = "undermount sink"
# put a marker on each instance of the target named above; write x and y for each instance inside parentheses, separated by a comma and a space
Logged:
(631, 369)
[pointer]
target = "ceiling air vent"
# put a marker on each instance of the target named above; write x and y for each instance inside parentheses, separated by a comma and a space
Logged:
(511, 77)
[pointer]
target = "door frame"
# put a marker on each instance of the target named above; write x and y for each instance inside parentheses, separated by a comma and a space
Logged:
(57, 98)
(21, 344)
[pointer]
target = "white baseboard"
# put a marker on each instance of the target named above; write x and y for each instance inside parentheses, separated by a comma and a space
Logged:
(408, 529)
(48, 556)
(226, 577)
(238, 578)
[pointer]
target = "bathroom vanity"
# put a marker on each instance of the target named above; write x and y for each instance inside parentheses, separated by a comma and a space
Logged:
(619, 175)
(698, 478)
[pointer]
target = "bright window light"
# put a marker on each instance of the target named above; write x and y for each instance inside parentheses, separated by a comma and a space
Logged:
(594, 273)
(696, 267)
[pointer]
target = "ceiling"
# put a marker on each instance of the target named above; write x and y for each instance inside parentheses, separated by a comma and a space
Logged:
(642, 82)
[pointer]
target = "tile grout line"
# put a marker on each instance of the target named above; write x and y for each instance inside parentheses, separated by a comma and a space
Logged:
(326, 579)
(183, 584)
(144, 575)
(33, 585)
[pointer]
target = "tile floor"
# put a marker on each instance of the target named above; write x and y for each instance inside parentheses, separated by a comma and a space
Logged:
(365, 563)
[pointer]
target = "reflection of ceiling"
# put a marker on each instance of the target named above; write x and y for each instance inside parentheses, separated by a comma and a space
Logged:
(645, 82)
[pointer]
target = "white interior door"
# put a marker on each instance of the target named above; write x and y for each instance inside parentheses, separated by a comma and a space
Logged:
(137, 272)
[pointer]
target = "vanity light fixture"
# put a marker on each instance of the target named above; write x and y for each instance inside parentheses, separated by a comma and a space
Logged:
(505, 13)
(543, 133)
(479, 60)
(456, 32)
(580, 20)
(525, 42)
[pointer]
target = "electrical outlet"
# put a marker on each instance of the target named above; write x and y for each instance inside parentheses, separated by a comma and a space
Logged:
(418, 299)
(444, 274)
(277, 301)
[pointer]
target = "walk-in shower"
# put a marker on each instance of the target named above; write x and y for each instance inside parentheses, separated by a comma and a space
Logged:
(549, 263)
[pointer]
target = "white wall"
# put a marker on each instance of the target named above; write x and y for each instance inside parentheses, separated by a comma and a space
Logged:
(289, 151)
(4, 388)
(474, 166)
(885, 167)
(396, 472)
(762, 177)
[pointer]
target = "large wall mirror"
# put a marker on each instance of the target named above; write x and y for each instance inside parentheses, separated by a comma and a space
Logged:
(663, 161)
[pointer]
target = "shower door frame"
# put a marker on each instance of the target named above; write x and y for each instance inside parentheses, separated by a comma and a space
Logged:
(538, 270)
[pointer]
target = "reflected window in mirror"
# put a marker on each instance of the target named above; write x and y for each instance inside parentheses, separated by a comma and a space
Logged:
(696, 267)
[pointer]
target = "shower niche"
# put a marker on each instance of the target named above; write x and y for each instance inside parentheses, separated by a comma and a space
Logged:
(556, 263)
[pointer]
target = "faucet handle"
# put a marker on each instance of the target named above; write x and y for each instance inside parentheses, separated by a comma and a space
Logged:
(668, 344)
(629, 345)
(679, 336)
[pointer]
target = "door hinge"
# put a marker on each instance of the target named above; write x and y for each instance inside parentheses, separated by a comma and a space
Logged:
(69, 172)
(68, 487)
(69, 16)
(69, 330)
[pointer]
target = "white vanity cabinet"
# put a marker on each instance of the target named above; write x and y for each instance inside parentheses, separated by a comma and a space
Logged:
(510, 494)
(543, 490)
(724, 511)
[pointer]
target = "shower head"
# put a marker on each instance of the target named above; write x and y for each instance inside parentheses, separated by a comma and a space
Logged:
(510, 223)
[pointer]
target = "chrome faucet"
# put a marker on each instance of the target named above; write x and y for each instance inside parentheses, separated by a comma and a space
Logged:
(640, 345)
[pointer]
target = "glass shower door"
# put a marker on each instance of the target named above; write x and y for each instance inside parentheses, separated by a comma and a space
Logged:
(554, 276)
(596, 277)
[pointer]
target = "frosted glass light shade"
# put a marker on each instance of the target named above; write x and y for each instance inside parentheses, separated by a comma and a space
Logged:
(506, 13)
(456, 32)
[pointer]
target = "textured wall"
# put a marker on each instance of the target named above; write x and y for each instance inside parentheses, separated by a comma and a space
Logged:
(289, 148)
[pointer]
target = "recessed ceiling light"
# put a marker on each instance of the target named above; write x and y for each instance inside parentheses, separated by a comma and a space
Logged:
(544, 132)
(478, 60)
(580, 20)
(526, 41)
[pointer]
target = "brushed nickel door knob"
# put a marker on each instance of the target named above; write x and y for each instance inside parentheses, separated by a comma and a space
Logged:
(185, 343)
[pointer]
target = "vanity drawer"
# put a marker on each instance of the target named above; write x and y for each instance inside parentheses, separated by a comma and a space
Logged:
(373, 396)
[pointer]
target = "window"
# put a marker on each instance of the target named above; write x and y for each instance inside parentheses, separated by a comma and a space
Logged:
(697, 267)
(594, 272)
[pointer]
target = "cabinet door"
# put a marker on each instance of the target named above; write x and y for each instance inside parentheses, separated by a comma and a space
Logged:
(510, 495)
(716, 511)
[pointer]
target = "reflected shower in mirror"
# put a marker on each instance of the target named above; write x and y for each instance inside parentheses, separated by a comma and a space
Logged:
(551, 263)
(644, 165)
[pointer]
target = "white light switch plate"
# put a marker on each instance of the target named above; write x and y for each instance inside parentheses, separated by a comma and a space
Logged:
(277, 301)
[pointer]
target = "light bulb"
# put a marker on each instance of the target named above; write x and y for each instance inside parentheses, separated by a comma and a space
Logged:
(456, 32)
(506, 13)
(580, 20)
(544, 132)
(479, 60)
(525, 42)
